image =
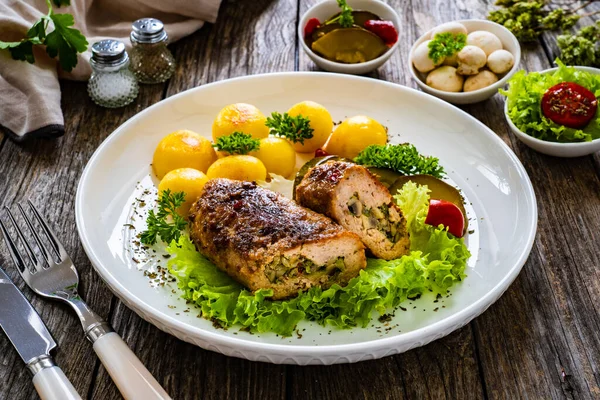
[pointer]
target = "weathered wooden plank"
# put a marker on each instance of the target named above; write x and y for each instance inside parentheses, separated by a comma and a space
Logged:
(47, 172)
(242, 42)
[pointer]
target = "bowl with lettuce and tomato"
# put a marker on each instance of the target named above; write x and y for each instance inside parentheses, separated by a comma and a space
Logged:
(555, 111)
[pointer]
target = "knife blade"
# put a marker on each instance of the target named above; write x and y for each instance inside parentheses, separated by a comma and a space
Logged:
(21, 323)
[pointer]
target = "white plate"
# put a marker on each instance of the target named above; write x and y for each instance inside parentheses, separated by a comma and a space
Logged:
(504, 211)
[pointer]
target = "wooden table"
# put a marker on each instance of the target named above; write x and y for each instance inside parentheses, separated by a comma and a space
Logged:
(540, 340)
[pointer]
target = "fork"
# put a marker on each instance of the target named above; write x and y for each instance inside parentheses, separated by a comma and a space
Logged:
(59, 281)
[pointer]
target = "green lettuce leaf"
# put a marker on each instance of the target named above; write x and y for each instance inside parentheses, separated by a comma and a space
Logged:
(524, 96)
(437, 260)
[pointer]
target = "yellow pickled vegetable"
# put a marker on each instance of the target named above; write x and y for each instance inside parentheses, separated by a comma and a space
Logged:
(320, 122)
(239, 167)
(182, 149)
(354, 135)
(277, 155)
(187, 180)
(240, 117)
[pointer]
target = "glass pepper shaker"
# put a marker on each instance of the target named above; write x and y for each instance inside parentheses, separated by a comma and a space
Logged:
(151, 60)
(112, 84)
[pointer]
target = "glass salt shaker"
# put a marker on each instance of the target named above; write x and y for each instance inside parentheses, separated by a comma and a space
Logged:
(112, 84)
(151, 60)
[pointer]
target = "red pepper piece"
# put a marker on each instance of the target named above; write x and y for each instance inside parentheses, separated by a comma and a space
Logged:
(442, 212)
(569, 104)
(384, 29)
(311, 25)
(321, 153)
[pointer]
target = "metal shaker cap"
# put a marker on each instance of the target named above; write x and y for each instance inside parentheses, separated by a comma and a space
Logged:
(148, 30)
(108, 53)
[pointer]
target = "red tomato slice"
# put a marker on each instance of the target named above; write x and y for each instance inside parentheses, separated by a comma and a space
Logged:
(311, 25)
(442, 212)
(569, 104)
(384, 29)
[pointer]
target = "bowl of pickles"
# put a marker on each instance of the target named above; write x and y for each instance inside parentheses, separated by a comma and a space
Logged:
(349, 36)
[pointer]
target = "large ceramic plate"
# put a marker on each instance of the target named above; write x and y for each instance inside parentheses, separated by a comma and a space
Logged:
(503, 213)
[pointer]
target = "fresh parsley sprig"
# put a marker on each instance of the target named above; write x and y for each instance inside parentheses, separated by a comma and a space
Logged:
(446, 45)
(166, 223)
(403, 158)
(345, 19)
(296, 129)
(237, 143)
(64, 41)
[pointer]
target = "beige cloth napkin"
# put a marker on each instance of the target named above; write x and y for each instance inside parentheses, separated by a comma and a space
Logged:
(30, 93)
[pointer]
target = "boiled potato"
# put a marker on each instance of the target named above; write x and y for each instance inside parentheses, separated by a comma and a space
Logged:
(239, 167)
(277, 155)
(187, 180)
(240, 117)
(354, 135)
(320, 121)
(182, 149)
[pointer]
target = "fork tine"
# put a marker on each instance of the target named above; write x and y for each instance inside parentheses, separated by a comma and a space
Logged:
(30, 251)
(45, 253)
(58, 247)
(14, 252)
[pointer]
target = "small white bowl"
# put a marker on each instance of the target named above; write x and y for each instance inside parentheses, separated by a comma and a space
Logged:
(556, 149)
(324, 10)
(509, 42)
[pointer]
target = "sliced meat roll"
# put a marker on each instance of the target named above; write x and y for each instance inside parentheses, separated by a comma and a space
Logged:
(353, 197)
(266, 241)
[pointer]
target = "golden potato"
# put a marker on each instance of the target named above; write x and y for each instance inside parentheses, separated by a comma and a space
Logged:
(354, 135)
(320, 121)
(240, 117)
(277, 155)
(187, 180)
(239, 167)
(182, 149)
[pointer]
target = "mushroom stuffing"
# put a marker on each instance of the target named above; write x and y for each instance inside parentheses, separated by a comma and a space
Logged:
(452, 59)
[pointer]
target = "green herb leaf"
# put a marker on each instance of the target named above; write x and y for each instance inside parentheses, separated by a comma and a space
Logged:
(346, 19)
(64, 41)
(403, 158)
(237, 143)
(446, 45)
(166, 223)
(60, 3)
(296, 129)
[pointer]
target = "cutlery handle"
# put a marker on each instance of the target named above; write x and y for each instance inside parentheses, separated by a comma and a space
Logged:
(126, 370)
(52, 384)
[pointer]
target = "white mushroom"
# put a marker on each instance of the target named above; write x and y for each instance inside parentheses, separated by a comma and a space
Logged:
(483, 79)
(500, 61)
(486, 41)
(470, 59)
(445, 78)
(449, 27)
(421, 60)
(452, 60)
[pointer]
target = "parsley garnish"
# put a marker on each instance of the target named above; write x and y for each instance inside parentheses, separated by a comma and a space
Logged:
(345, 19)
(237, 143)
(403, 158)
(295, 129)
(64, 41)
(446, 45)
(158, 224)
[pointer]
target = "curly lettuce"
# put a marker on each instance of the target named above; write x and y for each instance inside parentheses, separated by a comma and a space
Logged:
(437, 261)
(524, 96)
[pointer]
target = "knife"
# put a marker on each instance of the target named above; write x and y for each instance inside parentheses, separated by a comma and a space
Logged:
(33, 342)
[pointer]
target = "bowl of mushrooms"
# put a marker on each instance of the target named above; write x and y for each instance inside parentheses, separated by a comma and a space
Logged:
(464, 62)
